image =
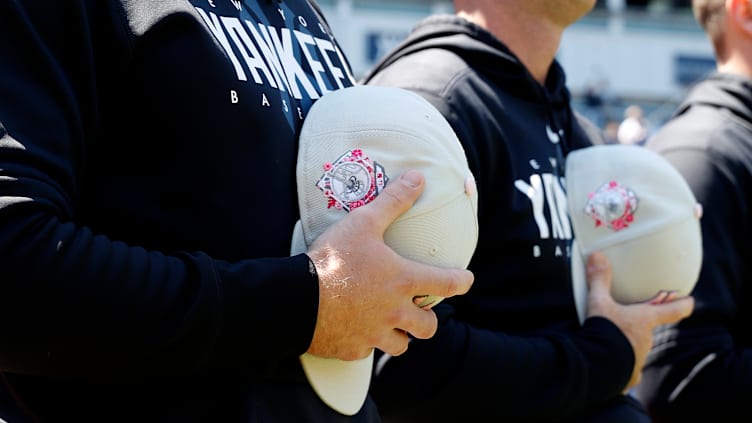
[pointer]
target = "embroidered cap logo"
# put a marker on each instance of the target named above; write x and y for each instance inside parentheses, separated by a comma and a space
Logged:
(353, 180)
(612, 204)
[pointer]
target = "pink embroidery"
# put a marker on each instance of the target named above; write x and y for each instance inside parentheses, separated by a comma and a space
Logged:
(352, 181)
(613, 205)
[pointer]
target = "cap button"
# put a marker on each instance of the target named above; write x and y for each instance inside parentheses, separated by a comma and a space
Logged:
(470, 187)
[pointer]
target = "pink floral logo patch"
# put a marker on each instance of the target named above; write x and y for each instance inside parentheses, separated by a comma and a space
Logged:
(351, 181)
(612, 205)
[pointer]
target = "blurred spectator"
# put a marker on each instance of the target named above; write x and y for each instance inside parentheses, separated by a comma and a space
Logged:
(611, 131)
(594, 104)
(634, 128)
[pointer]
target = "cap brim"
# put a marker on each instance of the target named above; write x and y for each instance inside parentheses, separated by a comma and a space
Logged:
(579, 281)
(298, 245)
(342, 385)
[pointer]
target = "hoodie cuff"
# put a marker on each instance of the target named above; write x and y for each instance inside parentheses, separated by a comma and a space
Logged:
(610, 357)
(270, 307)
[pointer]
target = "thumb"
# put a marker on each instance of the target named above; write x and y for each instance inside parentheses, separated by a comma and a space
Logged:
(599, 274)
(396, 198)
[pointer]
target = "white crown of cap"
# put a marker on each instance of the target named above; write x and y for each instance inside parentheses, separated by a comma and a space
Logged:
(354, 141)
(630, 203)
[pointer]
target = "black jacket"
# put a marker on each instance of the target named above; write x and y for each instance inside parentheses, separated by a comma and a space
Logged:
(512, 348)
(147, 202)
(701, 368)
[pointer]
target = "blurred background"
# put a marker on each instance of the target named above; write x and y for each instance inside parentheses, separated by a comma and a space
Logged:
(641, 54)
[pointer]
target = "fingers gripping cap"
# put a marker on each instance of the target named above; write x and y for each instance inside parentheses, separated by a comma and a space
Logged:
(352, 142)
(634, 206)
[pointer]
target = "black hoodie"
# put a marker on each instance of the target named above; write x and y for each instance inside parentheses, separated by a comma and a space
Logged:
(512, 348)
(701, 368)
(147, 203)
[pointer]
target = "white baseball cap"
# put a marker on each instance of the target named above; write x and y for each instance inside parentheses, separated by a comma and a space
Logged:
(353, 141)
(630, 203)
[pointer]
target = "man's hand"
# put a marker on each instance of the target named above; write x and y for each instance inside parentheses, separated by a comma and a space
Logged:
(636, 321)
(367, 289)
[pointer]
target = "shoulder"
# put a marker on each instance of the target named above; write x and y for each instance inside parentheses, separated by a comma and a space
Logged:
(430, 70)
(712, 130)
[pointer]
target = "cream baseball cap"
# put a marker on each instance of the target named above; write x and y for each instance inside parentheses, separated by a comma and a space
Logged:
(352, 142)
(634, 206)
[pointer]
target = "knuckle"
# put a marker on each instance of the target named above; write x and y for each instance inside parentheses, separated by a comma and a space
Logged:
(395, 196)
(428, 328)
(368, 219)
(454, 284)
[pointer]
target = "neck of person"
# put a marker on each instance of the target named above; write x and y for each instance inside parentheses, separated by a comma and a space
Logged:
(532, 39)
(738, 63)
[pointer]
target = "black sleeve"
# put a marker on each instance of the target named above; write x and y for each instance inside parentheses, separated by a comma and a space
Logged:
(480, 375)
(78, 303)
(701, 368)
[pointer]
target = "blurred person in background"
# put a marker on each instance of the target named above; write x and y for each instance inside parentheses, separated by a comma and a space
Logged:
(634, 128)
(513, 349)
(700, 369)
(611, 131)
